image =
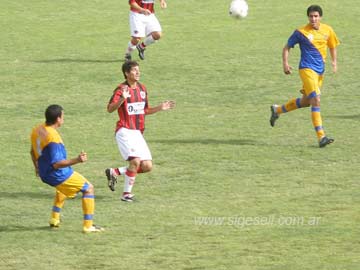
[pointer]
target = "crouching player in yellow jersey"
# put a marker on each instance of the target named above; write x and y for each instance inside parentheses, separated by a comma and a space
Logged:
(49, 156)
(313, 39)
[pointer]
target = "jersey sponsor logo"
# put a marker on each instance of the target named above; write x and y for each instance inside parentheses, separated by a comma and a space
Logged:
(136, 108)
(148, 1)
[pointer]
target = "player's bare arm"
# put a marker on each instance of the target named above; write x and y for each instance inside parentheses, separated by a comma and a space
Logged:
(82, 157)
(285, 57)
(163, 106)
(115, 105)
(333, 54)
(34, 161)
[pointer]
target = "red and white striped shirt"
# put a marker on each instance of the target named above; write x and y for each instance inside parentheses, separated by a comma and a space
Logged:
(132, 111)
(147, 4)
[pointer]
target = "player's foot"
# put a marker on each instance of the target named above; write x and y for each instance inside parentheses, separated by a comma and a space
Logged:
(111, 177)
(274, 116)
(127, 57)
(54, 223)
(325, 141)
(93, 228)
(141, 51)
(127, 197)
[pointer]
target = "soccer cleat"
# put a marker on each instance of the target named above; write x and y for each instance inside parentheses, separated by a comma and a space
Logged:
(325, 141)
(141, 51)
(274, 116)
(54, 223)
(128, 197)
(93, 228)
(127, 57)
(111, 177)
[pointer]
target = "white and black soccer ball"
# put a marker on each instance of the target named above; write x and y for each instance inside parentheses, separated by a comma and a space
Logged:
(238, 9)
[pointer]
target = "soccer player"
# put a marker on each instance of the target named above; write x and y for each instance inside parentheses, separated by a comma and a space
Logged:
(314, 39)
(130, 100)
(49, 157)
(143, 24)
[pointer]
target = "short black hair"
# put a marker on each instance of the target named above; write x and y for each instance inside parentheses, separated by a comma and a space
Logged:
(314, 8)
(52, 113)
(127, 66)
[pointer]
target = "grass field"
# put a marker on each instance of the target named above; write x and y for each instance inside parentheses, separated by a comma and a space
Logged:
(227, 190)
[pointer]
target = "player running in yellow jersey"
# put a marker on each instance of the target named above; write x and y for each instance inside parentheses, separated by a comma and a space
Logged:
(49, 156)
(314, 39)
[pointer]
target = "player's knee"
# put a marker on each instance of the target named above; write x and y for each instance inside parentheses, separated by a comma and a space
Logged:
(90, 189)
(156, 35)
(134, 164)
(315, 102)
(146, 166)
(135, 40)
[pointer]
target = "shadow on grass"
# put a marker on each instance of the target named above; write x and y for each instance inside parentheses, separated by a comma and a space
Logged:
(351, 117)
(37, 195)
(69, 60)
(207, 141)
(18, 228)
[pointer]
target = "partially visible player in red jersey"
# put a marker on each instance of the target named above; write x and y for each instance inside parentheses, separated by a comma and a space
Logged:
(143, 24)
(130, 99)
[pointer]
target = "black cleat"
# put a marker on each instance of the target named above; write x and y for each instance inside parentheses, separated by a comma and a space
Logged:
(325, 141)
(128, 197)
(141, 51)
(112, 178)
(127, 57)
(274, 116)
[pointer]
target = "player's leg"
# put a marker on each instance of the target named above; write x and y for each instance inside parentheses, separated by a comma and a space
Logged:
(137, 32)
(130, 175)
(317, 122)
(77, 183)
(153, 33)
(131, 46)
(59, 201)
(312, 83)
(289, 106)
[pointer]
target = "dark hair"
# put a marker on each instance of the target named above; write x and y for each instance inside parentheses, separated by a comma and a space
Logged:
(127, 66)
(52, 113)
(314, 8)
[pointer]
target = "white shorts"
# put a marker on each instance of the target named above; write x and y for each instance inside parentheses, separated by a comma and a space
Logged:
(142, 25)
(131, 143)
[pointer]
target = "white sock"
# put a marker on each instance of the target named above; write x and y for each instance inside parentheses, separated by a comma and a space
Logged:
(122, 170)
(130, 48)
(129, 181)
(149, 40)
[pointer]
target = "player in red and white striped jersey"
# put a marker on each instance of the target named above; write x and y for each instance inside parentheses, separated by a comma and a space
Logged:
(130, 99)
(143, 24)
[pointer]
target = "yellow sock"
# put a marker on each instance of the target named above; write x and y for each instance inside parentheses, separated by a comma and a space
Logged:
(88, 205)
(317, 122)
(59, 201)
(291, 105)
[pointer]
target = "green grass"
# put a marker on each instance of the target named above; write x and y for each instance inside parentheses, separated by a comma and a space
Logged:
(215, 155)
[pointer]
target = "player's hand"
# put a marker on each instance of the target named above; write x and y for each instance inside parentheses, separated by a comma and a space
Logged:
(168, 105)
(287, 69)
(334, 67)
(163, 4)
(125, 94)
(146, 12)
(82, 156)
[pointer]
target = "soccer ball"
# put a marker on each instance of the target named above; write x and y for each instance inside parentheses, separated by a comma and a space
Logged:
(238, 9)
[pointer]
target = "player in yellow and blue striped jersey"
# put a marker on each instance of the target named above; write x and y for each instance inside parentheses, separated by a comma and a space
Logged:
(51, 164)
(314, 39)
